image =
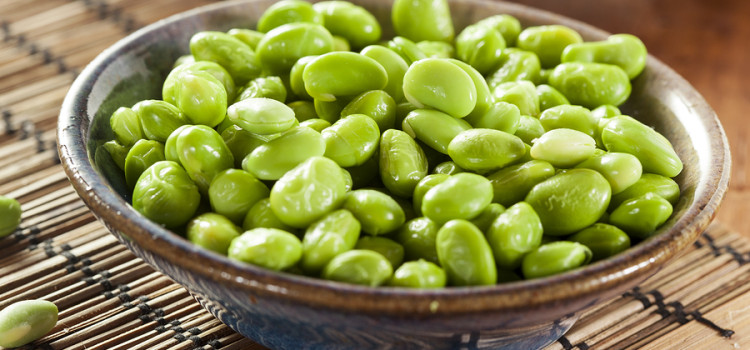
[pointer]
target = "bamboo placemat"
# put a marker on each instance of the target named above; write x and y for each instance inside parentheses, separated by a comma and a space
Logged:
(109, 299)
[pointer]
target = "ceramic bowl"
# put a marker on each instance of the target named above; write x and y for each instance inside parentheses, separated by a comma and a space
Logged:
(286, 311)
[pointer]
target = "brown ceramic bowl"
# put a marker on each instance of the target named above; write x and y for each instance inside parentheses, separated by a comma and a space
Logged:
(282, 310)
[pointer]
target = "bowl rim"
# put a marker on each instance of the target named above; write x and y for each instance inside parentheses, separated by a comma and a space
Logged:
(575, 288)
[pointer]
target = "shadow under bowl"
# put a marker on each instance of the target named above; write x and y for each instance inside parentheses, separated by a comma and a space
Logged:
(286, 311)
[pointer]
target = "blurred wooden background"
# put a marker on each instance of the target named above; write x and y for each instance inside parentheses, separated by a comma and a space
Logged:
(705, 41)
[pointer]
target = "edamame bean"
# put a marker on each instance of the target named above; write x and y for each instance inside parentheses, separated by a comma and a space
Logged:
(488, 216)
(296, 83)
(418, 236)
(424, 185)
(364, 175)
(316, 124)
(658, 184)
(516, 232)
(288, 11)
(563, 148)
(359, 266)
(10, 215)
(270, 161)
(126, 125)
(338, 74)
(402, 162)
(436, 129)
(570, 201)
(419, 274)
(501, 116)
(212, 231)
(263, 116)
(266, 247)
(529, 129)
(507, 25)
(303, 110)
(199, 95)
(461, 196)
(641, 216)
(217, 71)
(548, 42)
(549, 97)
(377, 212)
(281, 47)
(376, 104)
(654, 151)
(140, 157)
(623, 50)
(395, 67)
(158, 119)
(436, 49)
(483, 150)
(330, 111)
(480, 46)
(511, 184)
(515, 65)
(603, 240)
(308, 191)
(485, 100)
(250, 37)
(620, 169)
(520, 93)
(333, 234)
(233, 192)
(591, 84)
(554, 258)
(448, 168)
(433, 23)
(390, 249)
(239, 141)
(203, 154)
(165, 194)
(605, 111)
(117, 152)
(465, 254)
(354, 23)
(269, 87)
(261, 215)
(229, 52)
(452, 91)
(26, 321)
(352, 140)
(569, 117)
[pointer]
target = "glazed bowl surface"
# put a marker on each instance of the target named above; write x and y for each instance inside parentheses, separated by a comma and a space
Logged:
(286, 311)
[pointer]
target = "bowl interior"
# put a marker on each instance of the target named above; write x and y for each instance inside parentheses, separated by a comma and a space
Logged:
(134, 68)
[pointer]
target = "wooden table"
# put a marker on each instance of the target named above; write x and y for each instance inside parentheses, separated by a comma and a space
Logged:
(706, 42)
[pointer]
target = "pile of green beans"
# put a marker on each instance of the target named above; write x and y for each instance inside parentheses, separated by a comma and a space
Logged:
(314, 146)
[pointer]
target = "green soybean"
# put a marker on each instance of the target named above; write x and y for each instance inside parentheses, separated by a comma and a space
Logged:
(140, 157)
(452, 91)
(554, 258)
(158, 119)
(10, 212)
(483, 150)
(591, 84)
(548, 42)
(485, 219)
(281, 47)
(316, 124)
(212, 231)
(203, 154)
(417, 236)
(549, 97)
(333, 234)
(267, 247)
(126, 125)
(521, 93)
(376, 104)
(229, 52)
(217, 71)
(395, 67)
(433, 23)
(419, 274)
(511, 184)
(658, 184)
(376, 211)
(623, 50)
(250, 37)
(465, 254)
(239, 141)
(424, 185)
(352, 140)
(529, 129)
(262, 116)
(448, 168)
(165, 194)
(26, 321)
(233, 192)
(563, 148)
(288, 11)
(620, 169)
(359, 266)
(437, 49)
(269, 87)
(352, 22)
(654, 151)
(603, 240)
(641, 216)
(308, 191)
(261, 215)
(338, 74)
(461, 196)
(516, 232)
(270, 161)
(480, 46)
(390, 249)
(570, 201)
(402, 162)
(570, 117)
(515, 65)
(198, 94)
(507, 25)
(436, 129)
